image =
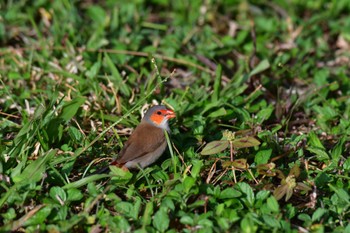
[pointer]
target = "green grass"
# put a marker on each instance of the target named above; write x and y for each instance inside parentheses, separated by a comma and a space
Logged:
(261, 92)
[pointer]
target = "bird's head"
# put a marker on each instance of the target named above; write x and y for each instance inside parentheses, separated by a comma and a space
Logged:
(158, 116)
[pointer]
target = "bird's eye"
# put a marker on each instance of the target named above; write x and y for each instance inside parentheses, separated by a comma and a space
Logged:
(159, 113)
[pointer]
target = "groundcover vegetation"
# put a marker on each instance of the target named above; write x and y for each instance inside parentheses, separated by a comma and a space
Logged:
(260, 88)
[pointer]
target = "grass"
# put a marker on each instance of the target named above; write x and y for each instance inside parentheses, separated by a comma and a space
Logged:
(261, 93)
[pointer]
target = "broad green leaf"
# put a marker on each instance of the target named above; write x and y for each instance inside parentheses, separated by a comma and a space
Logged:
(186, 220)
(265, 113)
(58, 194)
(263, 156)
(245, 142)
(74, 194)
(314, 141)
(223, 223)
(246, 189)
(147, 214)
(271, 221)
(273, 204)
(306, 218)
(341, 193)
(317, 215)
(325, 113)
(168, 203)
(337, 151)
(248, 225)
(70, 108)
(229, 193)
(136, 209)
(322, 179)
(188, 183)
(10, 214)
(196, 167)
(120, 175)
(161, 220)
(35, 170)
(214, 147)
(262, 195)
(321, 155)
(122, 224)
(125, 208)
(75, 134)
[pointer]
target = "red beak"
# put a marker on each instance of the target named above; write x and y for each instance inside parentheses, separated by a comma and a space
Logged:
(170, 114)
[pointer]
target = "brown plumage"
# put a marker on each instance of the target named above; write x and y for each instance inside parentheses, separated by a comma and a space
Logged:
(147, 143)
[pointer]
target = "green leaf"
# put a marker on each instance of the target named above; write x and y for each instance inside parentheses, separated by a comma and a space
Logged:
(122, 224)
(70, 108)
(271, 221)
(85, 181)
(314, 141)
(337, 151)
(74, 194)
(248, 191)
(136, 209)
(147, 214)
(245, 142)
(9, 215)
(187, 220)
(35, 170)
(248, 225)
(218, 113)
(39, 217)
(161, 220)
(120, 175)
(125, 208)
(262, 66)
(58, 194)
(117, 78)
(75, 134)
(196, 167)
(341, 193)
(317, 215)
(217, 84)
(306, 218)
(223, 223)
(272, 204)
(321, 155)
(263, 156)
(214, 147)
(265, 113)
(188, 183)
(229, 193)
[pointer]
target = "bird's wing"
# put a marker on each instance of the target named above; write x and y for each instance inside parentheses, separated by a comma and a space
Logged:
(145, 139)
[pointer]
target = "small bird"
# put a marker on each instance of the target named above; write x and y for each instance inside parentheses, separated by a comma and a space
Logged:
(147, 143)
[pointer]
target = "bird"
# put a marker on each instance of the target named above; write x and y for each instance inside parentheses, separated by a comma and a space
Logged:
(147, 142)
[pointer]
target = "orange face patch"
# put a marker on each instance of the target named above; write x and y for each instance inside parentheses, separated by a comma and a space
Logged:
(158, 116)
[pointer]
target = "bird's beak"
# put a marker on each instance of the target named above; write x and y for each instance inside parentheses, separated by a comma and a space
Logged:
(170, 114)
